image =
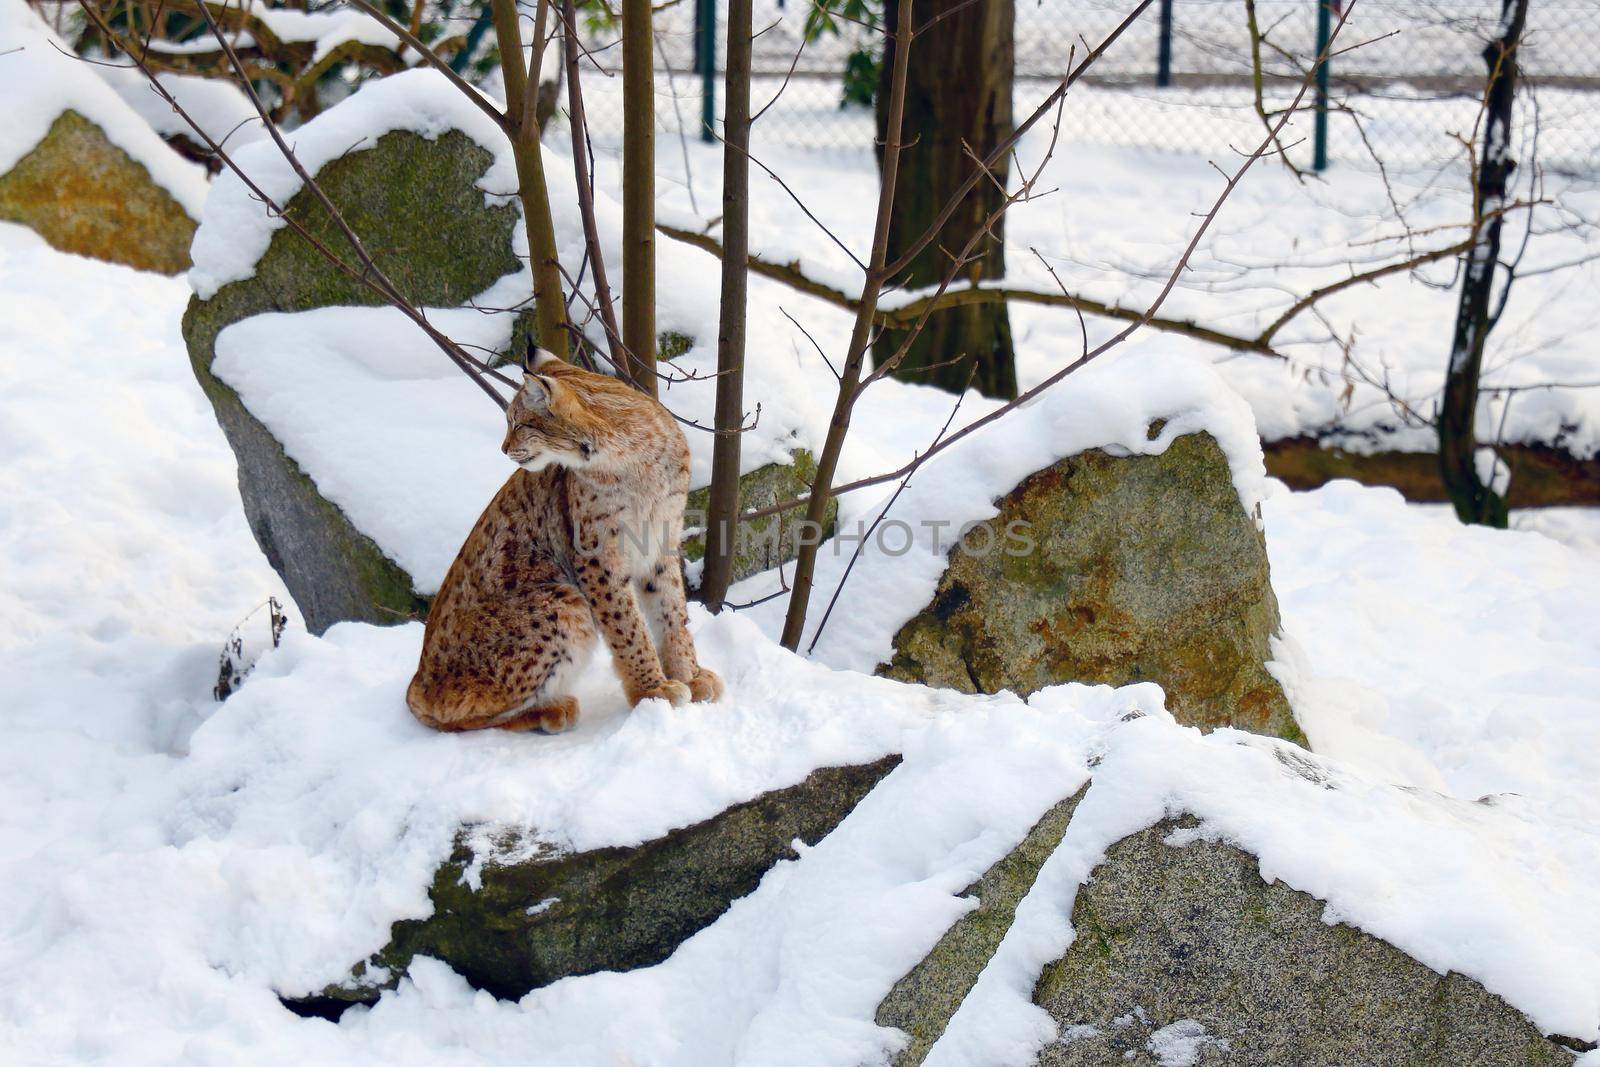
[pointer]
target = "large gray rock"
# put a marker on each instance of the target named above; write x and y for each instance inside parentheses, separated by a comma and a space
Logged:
(393, 195)
(529, 916)
(1185, 951)
(1146, 568)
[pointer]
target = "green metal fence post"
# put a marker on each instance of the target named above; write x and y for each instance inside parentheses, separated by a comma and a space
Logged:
(1319, 159)
(705, 17)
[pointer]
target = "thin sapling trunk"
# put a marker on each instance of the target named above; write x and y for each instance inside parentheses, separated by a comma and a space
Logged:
(722, 513)
(860, 340)
(1475, 501)
(639, 193)
(522, 127)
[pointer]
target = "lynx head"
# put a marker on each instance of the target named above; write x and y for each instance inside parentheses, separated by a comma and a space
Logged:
(547, 424)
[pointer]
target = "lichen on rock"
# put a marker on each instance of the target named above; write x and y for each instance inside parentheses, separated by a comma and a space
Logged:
(83, 194)
(1166, 934)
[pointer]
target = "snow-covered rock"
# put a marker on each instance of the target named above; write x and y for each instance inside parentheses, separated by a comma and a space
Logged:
(512, 913)
(393, 193)
(81, 167)
(1186, 954)
(1183, 952)
(1112, 569)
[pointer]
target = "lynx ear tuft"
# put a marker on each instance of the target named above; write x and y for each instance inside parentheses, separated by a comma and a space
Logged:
(540, 357)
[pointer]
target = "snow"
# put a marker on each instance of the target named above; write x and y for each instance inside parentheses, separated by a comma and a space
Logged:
(126, 555)
(1181, 1043)
(40, 79)
(1433, 641)
(169, 865)
(221, 109)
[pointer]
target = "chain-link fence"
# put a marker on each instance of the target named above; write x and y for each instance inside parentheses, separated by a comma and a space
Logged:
(1406, 96)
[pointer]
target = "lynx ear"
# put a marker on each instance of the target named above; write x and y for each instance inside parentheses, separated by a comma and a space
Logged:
(536, 393)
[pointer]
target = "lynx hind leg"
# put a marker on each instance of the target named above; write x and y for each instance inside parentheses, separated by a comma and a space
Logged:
(513, 670)
(553, 648)
(553, 716)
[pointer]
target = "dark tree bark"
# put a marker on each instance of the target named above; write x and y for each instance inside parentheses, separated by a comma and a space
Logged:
(958, 108)
(722, 511)
(639, 193)
(1474, 501)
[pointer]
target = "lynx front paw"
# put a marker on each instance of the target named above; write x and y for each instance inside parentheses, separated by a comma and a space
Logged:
(674, 693)
(705, 686)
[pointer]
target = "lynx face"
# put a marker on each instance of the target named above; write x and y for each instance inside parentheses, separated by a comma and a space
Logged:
(545, 427)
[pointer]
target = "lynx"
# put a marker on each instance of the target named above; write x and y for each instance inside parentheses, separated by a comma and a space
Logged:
(581, 542)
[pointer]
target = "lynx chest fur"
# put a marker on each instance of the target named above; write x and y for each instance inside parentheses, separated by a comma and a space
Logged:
(579, 546)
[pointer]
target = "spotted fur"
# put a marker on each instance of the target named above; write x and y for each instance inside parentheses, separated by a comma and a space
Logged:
(580, 544)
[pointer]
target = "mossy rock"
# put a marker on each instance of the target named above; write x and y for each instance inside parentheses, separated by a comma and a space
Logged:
(528, 916)
(83, 194)
(1191, 943)
(764, 543)
(394, 194)
(1143, 568)
(671, 344)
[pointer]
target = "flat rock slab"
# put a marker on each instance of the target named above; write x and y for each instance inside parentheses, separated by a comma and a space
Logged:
(510, 918)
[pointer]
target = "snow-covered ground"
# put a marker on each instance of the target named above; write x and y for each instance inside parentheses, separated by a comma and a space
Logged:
(169, 865)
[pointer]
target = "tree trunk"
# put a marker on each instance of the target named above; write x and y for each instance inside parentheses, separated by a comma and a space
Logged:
(1474, 501)
(549, 300)
(959, 98)
(639, 194)
(722, 525)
